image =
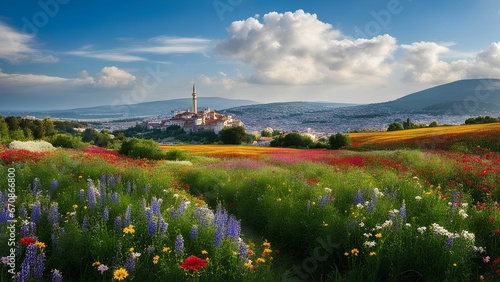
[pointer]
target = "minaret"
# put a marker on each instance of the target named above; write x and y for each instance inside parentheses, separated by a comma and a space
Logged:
(194, 100)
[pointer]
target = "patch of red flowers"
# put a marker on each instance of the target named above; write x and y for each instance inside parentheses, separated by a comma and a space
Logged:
(27, 241)
(194, 263)
(21, 155)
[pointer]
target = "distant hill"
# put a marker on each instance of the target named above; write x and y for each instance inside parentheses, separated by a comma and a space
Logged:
(463, 97)
(138, 110)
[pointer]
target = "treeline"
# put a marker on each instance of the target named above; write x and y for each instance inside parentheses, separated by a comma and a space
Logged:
(408, 124)
(481, 119)
(297, 140)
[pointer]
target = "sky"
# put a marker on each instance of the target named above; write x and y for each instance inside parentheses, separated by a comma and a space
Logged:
(63, 54)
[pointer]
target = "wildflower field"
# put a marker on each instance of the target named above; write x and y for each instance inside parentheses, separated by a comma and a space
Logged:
(242, 213)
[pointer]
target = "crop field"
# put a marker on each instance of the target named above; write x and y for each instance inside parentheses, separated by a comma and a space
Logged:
(243, 213)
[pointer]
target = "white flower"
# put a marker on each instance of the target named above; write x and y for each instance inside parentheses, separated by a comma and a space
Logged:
(479, 249)
(464, 205)
(462, 213)
(468, 235)
(377, 192)
(359, 206)
(422, 229)
(135, 255)
(387, 223)
(367, 235)
(176, 195)
(362, 224)
(328, 190)
(408, 225)
(369, 244)
(418, 198)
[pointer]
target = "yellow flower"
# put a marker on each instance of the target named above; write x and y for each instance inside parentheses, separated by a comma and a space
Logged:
(481, 277)
(267, 251)
(454, 264)
(266, 244)
(166, 249)
(378, 235)
(261, 260)
(84, 207)
(325, 224)
(248, 265)
(346, 254)
(96, 263)
(80, 177)
(355, 252)
(40, 245)
(75, 206)
(155, 259)
(131, 249)
(313, 203)
(129, 229)
(373, 254)
(207, 259)
(120, 274)
(204, 252)
(279, 199)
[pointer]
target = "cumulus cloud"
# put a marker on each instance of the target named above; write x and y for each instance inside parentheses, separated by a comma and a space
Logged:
(297, 48)
(113, 76)
(16, 47)
(423, 62)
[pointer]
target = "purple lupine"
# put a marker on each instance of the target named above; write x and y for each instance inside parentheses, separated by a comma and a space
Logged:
(22, 211)
(56, 275)
(155, 205)
(130, 264)
(85, 223)
(91, 197)
(102, 192)
(119, 178)
(359, 197)
(204, 215)
(111, 181)
(194, 232)
(53, 186)
(219, 233)
(152, 227)
(54, 214)
(148, 214)
(39, 266)
(36, 213)
(323, 200)
(128, 188)
(103, 178)
(36, 187)
(219, 222)
(118, 223)
(402, 211)
(179, 244)
(146, 189)
(128, 214)
(372, 205)
(454, 201)
(243, 251)
(30, 255)
(25, 229)
(24, 274)
(4, 214)
(32, 228)
(113, 198)
(163, 226)
(233, 228)
(150, 250)
(105, 214)
(449, 243)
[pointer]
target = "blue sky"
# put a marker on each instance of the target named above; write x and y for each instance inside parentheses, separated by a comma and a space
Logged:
(59, 54)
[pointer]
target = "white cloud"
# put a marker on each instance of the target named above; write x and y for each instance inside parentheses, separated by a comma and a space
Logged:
(108, 77)
(423, 62)
(297, 48)
(160, 45)
(113, 76)
(16, 47)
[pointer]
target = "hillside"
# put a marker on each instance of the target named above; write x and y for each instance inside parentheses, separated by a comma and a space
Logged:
(470, 96)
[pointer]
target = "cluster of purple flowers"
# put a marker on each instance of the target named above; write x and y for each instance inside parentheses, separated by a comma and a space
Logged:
(91, 197)
(204, 215)
(36, 212)
(179, 244)
(34, 261)
(54, 214)
(53, 186)
(194, 232)
(155, 206)
(128, 214)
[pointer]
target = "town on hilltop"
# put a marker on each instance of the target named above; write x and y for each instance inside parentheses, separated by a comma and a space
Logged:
(194, 120)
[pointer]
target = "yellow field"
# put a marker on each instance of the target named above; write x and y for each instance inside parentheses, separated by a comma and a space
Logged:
(436, 133)
(224, 151)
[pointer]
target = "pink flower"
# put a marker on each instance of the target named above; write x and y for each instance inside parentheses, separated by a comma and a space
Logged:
(486, 259)
(102, 268)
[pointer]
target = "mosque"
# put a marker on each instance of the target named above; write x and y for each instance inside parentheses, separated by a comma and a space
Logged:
(195, 120)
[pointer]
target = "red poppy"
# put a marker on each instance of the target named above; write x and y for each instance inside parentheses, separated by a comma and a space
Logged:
(497, 231)
(492, 219)
(27, 241)
(193, 263)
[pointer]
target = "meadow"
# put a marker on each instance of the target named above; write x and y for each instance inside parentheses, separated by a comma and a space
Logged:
(243, 213)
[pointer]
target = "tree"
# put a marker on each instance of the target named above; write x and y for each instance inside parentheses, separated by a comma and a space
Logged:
(434, 124)
(266, 133)
(295, 139)
(12, 122)
(395, 126)
(4, 131)
(233, 135)
(339, 140)
(89, 135)
(48, 127)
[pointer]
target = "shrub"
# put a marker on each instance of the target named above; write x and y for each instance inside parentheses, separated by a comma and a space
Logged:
(395, 126)
(141, 148)
(66, 141)
(339, 140)
(233, 135)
